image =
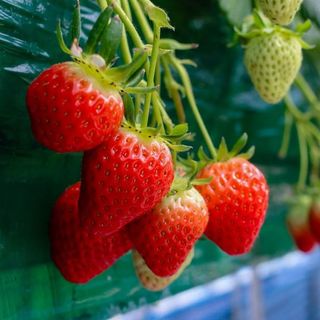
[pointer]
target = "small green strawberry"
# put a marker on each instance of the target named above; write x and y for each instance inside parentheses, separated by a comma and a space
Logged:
(273, 61)
(151, 281)
(280, 11)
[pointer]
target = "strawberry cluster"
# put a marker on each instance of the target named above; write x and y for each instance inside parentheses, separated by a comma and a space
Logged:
(135, 193)
(303, 222)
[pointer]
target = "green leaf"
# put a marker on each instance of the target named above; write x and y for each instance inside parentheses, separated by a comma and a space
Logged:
(240, 144)
(136, 79)
(247, 155)
(304, 27)
(111, 39)
(76, 22)
(202, 155)
(179, 130)
(222, 153)
(123, 73)
(156, 14)
(179, 147)
(200, 182)
(171, 44)
(140, 90)
(97, 30)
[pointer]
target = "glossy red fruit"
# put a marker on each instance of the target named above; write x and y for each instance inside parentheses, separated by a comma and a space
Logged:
(122, 179)
(165, 236)
(71, 110)
(298, 225)
(314, 219)
(78, 256)
(237, 199)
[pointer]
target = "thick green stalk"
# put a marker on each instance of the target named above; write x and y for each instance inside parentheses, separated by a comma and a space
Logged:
(125, 49)
(292, 108)
(157, 110)
(151, 73)
(126, 8)
(127, 23)
(304, 158)
(307, 91)
(288, 122)
(142, 20)
(173, 91)
(190, 96)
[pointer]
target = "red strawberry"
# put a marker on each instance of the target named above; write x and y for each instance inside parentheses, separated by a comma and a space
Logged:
(298, 225)
(237, 199)
(165, 236)
(78, 256)
(314, 219)
(71, 109)
(122, 179)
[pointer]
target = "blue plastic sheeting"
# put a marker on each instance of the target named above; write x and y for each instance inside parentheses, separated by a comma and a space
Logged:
(284, 288)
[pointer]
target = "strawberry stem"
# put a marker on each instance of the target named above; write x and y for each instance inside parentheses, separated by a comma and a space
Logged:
(142, 20)
(190, 96)
(124, 45)
(173, 91)
(288, 122)
(304, 161)
(307, 91)
(151, 74)
(127, 23)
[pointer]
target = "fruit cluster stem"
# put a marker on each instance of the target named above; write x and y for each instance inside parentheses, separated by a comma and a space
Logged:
(288, 122)
(142, 20)
(307, 91)
(151, 74)
(192, 101)
(125, 49)
(303, 158)
(127, 23)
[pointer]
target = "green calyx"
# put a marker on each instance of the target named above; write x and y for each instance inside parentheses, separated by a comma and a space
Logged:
(173, 139)
(191, 167)
(258, 25)
(100, 51)
(224, 154)
(186, 175)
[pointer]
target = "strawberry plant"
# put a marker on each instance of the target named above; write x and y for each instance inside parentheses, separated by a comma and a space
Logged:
(142, 186)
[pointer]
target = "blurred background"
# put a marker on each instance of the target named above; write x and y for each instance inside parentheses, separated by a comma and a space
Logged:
(32, 178)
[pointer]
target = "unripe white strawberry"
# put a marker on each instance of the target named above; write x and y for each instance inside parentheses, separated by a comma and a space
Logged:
(280, 11)
(151, 281)
(273, 61)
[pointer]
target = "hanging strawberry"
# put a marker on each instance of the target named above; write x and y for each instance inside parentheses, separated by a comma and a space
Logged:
(79, 256)
(280, 11)
(237, 199)
(298, 224)
(165, 236)
(75, 106)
